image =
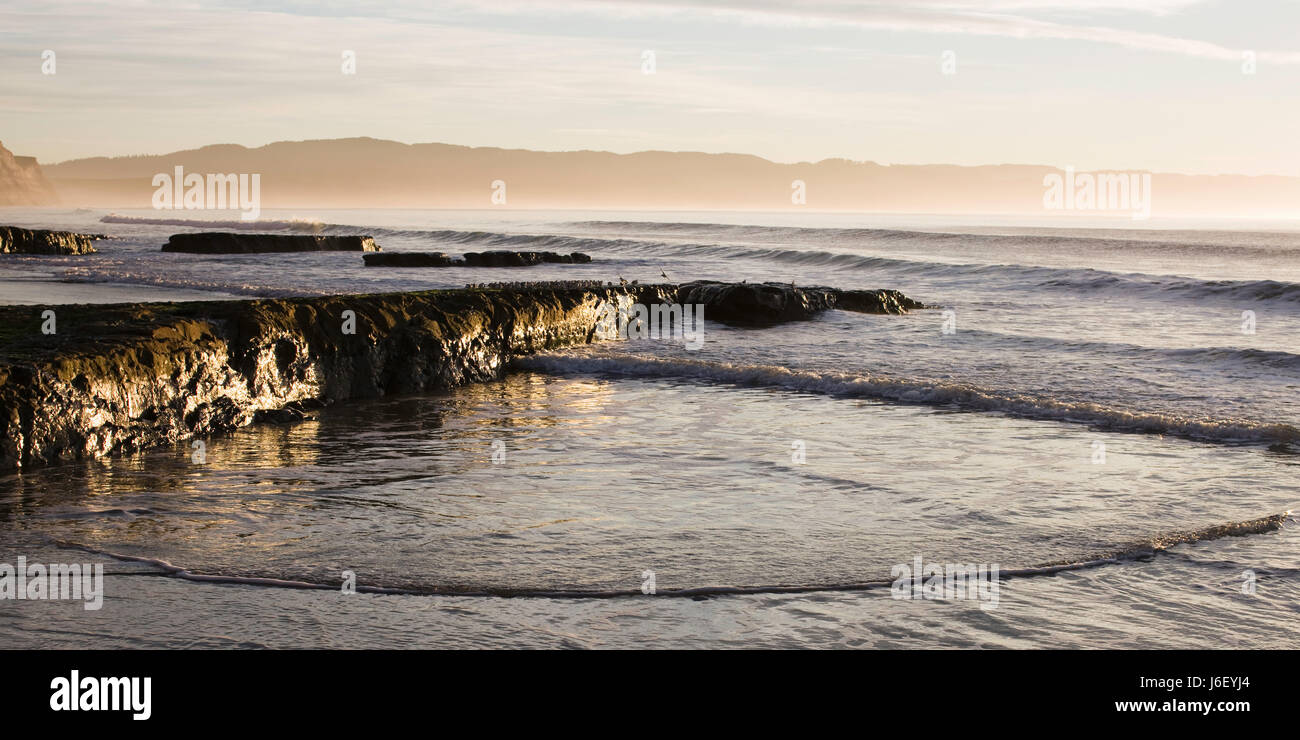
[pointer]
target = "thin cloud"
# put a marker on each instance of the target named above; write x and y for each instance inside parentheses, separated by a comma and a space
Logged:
(960, 17)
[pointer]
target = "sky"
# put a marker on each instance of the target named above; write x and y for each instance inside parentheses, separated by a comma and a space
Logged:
(1194, 86)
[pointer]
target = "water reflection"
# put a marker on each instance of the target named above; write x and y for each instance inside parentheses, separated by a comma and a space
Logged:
(601, 479)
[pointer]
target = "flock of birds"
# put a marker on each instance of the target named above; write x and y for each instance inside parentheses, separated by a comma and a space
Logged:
(565, 284)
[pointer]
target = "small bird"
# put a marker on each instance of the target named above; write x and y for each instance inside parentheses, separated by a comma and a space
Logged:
(663, 274)
(621, 281)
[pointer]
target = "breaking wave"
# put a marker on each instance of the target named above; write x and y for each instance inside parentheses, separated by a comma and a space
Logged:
(928, 392)
(1199, 357)
(1250, 243)
(1016, 276)
(1020, 277)
(299, 225)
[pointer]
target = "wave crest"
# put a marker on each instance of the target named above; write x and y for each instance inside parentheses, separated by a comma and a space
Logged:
(928, 392)
(300, 225)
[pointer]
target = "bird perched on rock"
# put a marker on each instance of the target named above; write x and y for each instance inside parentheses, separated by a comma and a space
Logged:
(621, 281)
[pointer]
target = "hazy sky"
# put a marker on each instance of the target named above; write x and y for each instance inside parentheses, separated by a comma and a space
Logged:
(1117, 84)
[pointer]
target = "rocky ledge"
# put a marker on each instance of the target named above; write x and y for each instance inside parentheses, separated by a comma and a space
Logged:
(14, 240)
(221, 243)
(128, 376)
(473, 259)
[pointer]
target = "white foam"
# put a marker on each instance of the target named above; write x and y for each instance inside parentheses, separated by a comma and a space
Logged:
(291, 224)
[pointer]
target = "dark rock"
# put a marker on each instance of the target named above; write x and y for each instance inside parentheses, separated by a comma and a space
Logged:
(766, 303)
(753, 302)
(408, 259)
(223, 243)
(875, 301)
(291, 414)
(14, 240)
(521, 259)
(130, 376)
(542, 284)
(472, 259)
(125, 377)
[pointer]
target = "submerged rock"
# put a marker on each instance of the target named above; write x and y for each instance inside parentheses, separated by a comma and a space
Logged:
(123, 377)
(224, 243)
(498, 258)
(14, 240)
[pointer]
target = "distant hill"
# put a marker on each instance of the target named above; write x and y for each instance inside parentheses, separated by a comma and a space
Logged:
(365, 173)
(21, 181)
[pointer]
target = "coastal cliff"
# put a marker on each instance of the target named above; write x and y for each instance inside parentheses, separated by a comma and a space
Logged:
(123, 377)
(22, 183)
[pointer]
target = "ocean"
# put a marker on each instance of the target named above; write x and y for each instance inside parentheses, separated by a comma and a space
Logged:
(1102, 410)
